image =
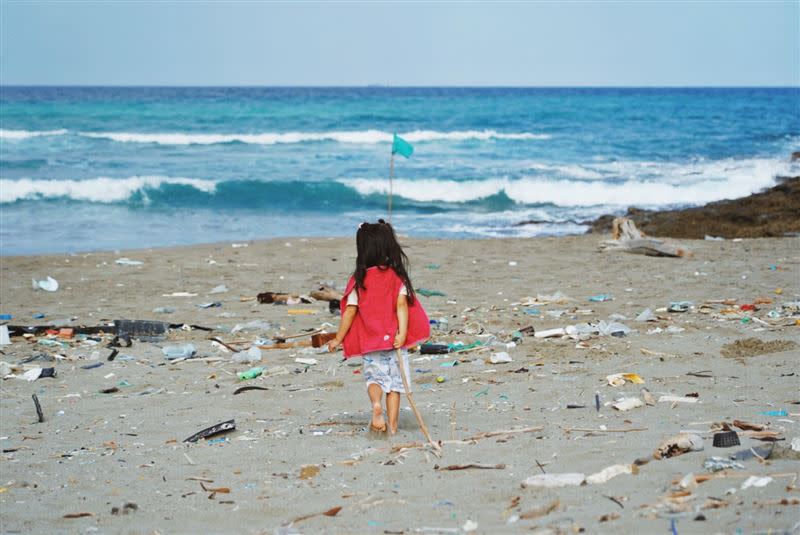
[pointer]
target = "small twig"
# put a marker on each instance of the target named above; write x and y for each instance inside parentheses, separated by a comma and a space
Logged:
(540, 465)
(615, 500)
(453, 421)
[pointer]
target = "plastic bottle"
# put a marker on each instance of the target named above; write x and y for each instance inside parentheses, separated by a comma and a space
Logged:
(179, 351)
(251, 355)
(252, 373)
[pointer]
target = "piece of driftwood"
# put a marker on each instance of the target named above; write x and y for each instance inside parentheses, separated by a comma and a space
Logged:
(324, 293)
(478, 466)
(38, 408)
(629, 239)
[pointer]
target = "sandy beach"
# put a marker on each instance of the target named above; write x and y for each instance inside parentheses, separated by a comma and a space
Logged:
(94, 452)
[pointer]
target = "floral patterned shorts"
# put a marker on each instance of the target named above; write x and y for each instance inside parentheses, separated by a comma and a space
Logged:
(380, 368)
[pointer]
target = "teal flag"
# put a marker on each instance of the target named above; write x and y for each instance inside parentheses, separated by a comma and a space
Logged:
(402, 147)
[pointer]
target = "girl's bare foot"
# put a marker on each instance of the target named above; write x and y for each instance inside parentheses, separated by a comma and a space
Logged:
(377, 423)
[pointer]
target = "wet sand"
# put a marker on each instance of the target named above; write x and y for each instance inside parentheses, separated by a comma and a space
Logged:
(95, 452)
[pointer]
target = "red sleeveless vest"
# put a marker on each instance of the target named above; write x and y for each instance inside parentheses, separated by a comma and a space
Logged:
(375, 324)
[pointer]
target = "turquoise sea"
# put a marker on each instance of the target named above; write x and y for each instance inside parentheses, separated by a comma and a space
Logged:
(86, 168)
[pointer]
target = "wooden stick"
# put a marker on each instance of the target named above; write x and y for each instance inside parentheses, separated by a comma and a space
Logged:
(583, 430)
(422, 426)
(453, 422)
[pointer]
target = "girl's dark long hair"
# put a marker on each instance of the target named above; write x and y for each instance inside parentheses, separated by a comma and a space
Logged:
(377, 246)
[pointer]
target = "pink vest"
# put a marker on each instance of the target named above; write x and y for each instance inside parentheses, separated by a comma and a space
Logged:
(375, 324)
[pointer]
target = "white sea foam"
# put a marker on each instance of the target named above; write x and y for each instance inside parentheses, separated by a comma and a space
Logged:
(667, 184)
(101, 189)
(273, 138)
(25, 134)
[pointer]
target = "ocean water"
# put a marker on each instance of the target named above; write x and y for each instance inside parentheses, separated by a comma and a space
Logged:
(106, 168)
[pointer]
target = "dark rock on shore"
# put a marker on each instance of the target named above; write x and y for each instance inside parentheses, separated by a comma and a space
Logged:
(771, 213)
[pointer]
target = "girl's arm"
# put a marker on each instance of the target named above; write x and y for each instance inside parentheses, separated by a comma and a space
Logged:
(344, 326)
(402, 321)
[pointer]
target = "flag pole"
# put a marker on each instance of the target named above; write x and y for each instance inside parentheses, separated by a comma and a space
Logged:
(391, 178)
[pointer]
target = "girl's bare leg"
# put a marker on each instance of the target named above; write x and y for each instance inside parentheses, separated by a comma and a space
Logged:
(393, 410)
(375, 394)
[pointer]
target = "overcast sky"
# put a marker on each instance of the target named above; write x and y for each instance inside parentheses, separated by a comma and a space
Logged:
(455, 44)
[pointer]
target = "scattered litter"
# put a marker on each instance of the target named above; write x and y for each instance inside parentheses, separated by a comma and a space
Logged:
(677, 399)
(646, 315)
(611, 472)
(755, 481)
(5, 339)
(500, 358)
(221, 289)
(679, 306)
(429, 293)
(182, 351)
(627, 404)
(48, 285)
(306, 361)
(619, 379)
(124, 261)
(222, 427)
(678, 445)
(715, 464)
(252, 373)
(211, 304)
(550, 481)
(600, 298)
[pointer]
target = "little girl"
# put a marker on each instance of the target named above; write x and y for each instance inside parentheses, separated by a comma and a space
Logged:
(380, 313)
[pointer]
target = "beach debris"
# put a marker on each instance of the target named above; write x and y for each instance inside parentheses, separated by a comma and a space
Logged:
(759, 452)
(330, 512)
(627, 404)
(716, 464)
(619, 379)
(5, 339)
(180, 294)
(679, 306)
(251, 355)
(145, 330)
(611, 472)
(255, 325)
(38, 407)
(125, 261)
(550, 481)
(182, 351)
(221, 289)
(646, 315)
(280, 297)
(468, 466)
(537, 512)
(252, 373)
(128, 507)
(307, 471)
(77, 515)
(600, 298)
(627, 238)
(678, 445)
(48, 285)
(110, 390)
(470, 526)
(222, 427)
(677, 399)
(306, 360)
(163, 310)
(647, 397)
(247, 388)
(429, 293)
(500, 358)
(726, 439)
(211, 304)
(550, 333)
(214, 491)
(757, 482)
(326, 293)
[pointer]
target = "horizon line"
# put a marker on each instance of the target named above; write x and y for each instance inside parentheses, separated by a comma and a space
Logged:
(389, 86)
